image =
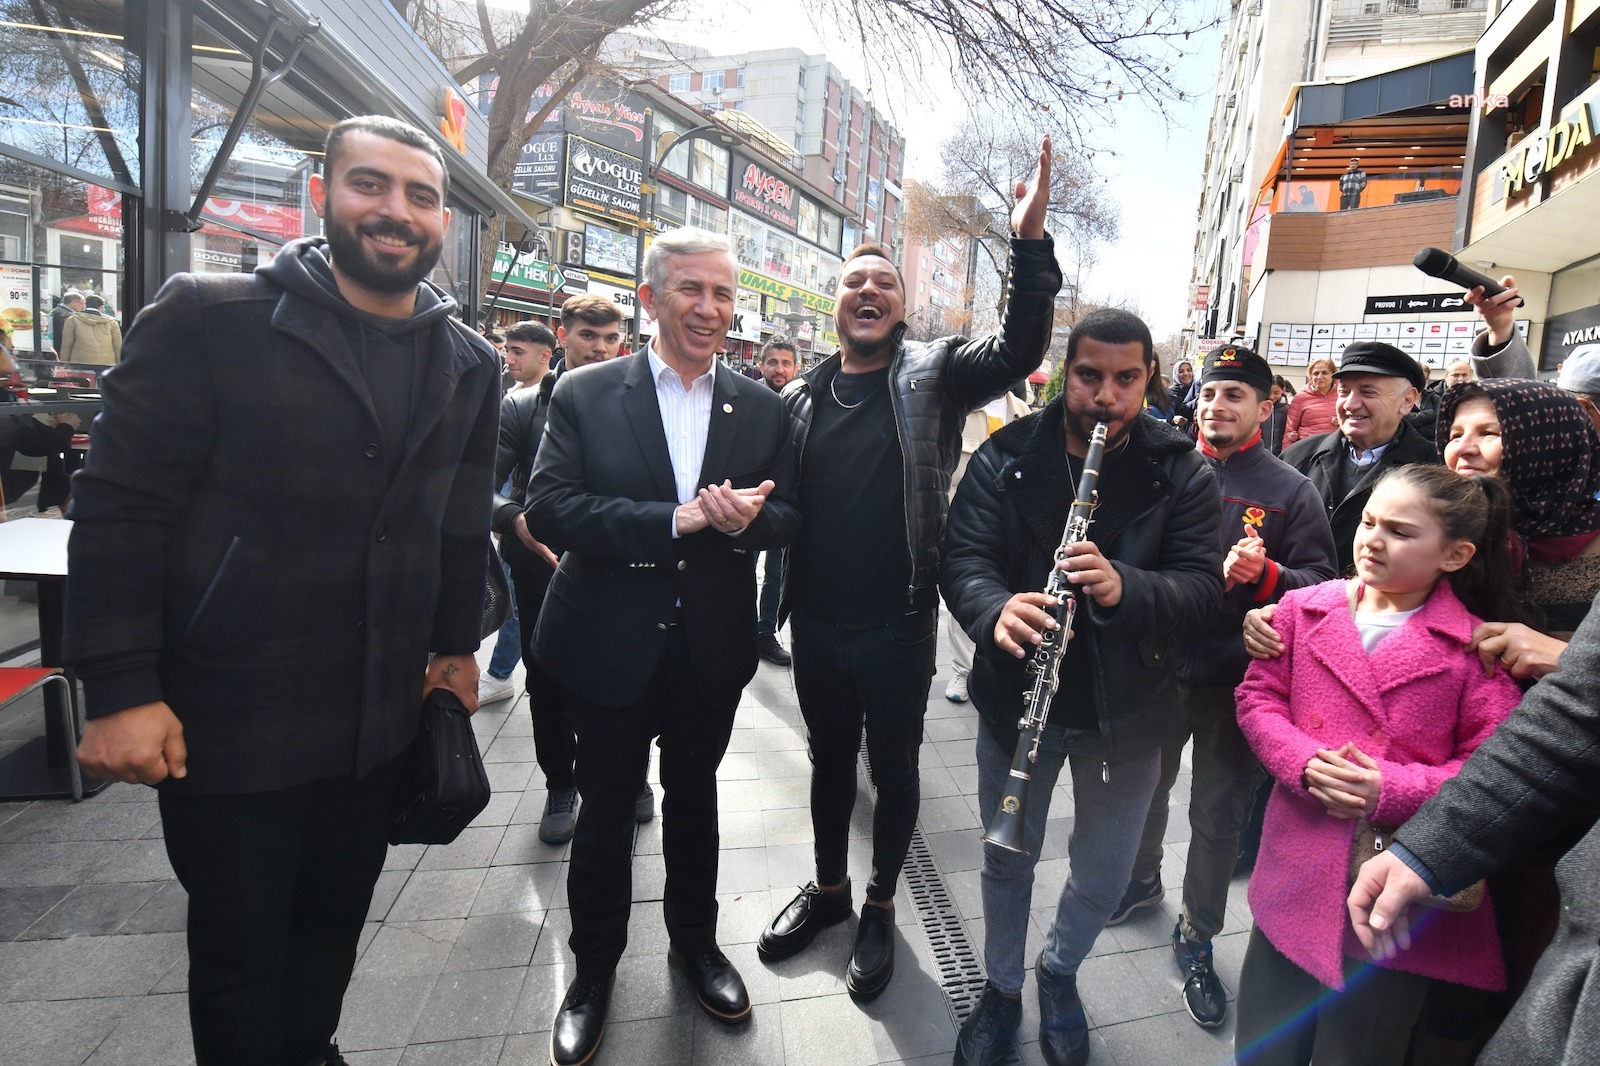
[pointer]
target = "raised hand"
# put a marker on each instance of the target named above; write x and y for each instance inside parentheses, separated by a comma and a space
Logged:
(1033, 198)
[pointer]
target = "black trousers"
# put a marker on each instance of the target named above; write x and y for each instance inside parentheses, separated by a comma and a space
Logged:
(279, 884)
(613, 756)
(554, 745)
(877, 678)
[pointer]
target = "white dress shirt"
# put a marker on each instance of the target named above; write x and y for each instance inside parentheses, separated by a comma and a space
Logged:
(686, 420)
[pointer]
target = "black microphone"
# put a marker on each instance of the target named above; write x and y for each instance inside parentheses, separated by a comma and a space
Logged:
(1439, 263)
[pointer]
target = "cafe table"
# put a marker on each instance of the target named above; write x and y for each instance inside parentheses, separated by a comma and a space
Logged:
(35, 549)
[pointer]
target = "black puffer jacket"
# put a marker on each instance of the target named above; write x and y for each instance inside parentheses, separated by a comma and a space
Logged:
(1160, 531)
(522, 415)
(935, 385)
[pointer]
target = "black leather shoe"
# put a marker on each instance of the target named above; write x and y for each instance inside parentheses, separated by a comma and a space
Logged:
(717, 985)
(872, 961)
(581, 1022)
(1063, 1027)
(798, 923)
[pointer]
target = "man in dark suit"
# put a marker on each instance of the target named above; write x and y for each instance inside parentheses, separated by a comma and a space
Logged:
(284, 515)
(1377, 385)
(649, 624)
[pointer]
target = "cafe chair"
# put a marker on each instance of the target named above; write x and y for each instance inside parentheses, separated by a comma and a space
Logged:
(19, 681)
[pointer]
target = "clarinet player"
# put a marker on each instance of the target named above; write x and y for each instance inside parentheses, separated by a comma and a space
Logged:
(1149, 571)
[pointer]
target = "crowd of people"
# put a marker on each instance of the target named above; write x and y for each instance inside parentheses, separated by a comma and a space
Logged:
(260, 577)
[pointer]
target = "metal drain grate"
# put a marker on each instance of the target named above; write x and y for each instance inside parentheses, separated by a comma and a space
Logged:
(959, 971)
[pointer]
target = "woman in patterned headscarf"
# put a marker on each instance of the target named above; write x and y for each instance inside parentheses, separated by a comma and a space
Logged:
(1537, 438)
(1540, 441)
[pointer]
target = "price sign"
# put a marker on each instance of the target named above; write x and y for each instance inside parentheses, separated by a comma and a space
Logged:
(17, 305)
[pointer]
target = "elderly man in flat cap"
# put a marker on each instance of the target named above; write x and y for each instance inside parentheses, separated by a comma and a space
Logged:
(1377, 384)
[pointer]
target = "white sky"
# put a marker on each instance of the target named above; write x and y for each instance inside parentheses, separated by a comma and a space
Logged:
(1152, 169)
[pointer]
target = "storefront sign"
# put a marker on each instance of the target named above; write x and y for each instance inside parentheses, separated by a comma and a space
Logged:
(1564, 334)
(538, 170)
(1202, 297)
(823, 305)
(1549, 150)
(602, 180)
(278, 221)
(453, 123)
(744, 326)
(760, 190)
(527, 272)
(615, 291)
(1417, 304)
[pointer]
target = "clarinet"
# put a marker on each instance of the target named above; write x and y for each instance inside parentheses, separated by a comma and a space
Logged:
(1006, 827)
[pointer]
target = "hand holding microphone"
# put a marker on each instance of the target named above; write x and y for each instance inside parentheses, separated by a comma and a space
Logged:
(1497, 302)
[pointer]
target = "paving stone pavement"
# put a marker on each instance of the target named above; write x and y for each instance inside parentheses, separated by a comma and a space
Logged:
(464, 957)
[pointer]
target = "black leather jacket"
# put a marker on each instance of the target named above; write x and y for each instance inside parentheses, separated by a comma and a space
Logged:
(522, 415)
(1157, 524)
(935, 385)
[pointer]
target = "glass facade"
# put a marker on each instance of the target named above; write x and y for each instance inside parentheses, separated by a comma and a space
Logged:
(70, 157)
(105, 143)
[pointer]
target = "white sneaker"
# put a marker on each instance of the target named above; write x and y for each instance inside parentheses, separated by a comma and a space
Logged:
(494, 689)
(956, 690)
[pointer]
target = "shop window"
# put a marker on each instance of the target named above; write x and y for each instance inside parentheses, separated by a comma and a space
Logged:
(707, 216)
(71, 83)
(56, 233)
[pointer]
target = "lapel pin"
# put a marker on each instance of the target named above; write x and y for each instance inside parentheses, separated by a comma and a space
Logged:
(727, 408)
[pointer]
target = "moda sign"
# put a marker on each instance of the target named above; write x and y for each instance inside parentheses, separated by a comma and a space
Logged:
(602, 180)
(763, 192)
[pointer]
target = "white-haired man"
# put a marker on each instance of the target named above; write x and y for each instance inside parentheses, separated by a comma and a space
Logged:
(649, 624)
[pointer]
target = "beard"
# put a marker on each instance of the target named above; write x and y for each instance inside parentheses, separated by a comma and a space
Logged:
(1081, 424)
(374, 270)
(864, 349)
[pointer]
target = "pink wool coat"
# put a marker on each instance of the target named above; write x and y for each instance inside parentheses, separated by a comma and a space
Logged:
(1419, 705)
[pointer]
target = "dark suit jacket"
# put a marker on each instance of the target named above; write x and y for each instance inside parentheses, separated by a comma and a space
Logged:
(602, 495)
(240, 550)
(1319, 457)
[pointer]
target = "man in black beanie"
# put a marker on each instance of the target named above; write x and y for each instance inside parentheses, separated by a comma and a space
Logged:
(1275, 537)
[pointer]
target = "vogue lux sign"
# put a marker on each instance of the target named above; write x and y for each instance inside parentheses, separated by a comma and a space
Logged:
(602, 180)
(763, 192)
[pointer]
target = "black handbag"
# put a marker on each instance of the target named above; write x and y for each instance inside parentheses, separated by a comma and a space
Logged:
(497, 599)
(443, 786)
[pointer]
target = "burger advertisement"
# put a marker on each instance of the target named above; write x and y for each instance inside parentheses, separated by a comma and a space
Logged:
(16, 305)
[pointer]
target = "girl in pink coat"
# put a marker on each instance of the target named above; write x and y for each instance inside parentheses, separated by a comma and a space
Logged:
(1374, 705)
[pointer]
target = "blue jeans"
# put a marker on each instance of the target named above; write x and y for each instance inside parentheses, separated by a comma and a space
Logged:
(1108, 818)
(508, 646)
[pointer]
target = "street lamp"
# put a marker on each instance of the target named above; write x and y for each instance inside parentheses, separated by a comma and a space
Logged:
(647, 192)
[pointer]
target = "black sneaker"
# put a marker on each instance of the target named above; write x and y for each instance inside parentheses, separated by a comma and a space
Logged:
(989, 1035)
(1139, 894)
(768, 648)
(1203, 995)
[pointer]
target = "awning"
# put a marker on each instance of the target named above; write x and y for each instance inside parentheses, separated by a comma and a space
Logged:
(1038, 377)
(467, 178)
